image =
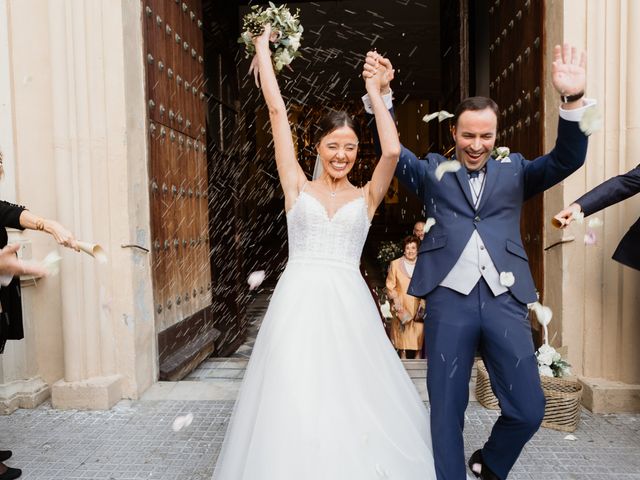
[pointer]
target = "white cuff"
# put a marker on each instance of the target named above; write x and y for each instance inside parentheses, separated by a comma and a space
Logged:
(575, 115)
(387, 99)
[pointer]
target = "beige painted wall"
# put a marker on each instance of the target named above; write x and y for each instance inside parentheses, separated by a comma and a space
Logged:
(74, 123)
(595, 299)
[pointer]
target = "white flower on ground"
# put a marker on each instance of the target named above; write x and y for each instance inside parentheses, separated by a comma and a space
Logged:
(594, 222)
(507, 279)
(428, 224)
(182, 421)
(255, 279)
(591, 121)
(447, 166)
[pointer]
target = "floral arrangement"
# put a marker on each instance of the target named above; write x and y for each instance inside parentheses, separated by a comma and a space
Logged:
(550, 362)
(285, 37)
(500, 153)
(388, 251)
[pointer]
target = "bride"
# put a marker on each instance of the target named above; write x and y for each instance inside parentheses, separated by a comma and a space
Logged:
(325, 396)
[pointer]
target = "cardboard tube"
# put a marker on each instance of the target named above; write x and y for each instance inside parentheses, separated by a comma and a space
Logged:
(95, 250)
(557, 222)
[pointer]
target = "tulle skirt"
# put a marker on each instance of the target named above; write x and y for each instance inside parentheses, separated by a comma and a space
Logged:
(325, 396)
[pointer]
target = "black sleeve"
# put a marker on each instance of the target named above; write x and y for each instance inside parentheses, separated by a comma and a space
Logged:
(10, 215)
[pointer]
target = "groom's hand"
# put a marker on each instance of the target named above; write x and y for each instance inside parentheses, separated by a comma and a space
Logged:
(384, 69)
(568, 73)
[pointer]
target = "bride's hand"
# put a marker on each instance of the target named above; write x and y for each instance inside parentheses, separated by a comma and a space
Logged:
(261, 42)
(385, 69)
(372, 75)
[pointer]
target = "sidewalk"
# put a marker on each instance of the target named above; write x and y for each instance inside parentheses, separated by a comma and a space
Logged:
(134, 440)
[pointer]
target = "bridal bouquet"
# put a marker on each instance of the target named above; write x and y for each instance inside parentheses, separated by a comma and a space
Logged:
(285, 37)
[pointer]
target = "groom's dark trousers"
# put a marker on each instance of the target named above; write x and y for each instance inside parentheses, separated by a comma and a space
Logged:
(500, 328)
(457, 324)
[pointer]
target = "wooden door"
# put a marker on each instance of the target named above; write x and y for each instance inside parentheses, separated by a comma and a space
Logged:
(178, 183)
(516, 71)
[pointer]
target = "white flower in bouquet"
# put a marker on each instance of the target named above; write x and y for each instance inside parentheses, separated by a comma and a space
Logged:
(286, 36)
(546, 354)
(545, 370)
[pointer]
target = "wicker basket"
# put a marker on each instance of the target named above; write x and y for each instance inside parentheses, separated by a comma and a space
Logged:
(562, 411)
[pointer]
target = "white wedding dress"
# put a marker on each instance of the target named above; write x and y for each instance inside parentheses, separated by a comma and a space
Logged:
(325, 396)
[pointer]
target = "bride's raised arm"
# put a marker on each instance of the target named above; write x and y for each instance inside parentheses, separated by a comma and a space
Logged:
(388, 134)
(291, 174)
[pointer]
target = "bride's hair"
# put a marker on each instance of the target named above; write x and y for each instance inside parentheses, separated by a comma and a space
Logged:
(332, 121)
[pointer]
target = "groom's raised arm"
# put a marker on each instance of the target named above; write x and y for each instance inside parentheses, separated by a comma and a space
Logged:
(410, 169)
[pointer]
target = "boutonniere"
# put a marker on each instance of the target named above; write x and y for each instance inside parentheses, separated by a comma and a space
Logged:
(285, 37)
(501, 154)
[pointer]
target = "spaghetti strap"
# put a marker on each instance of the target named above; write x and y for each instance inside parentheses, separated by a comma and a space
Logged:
(304, 185)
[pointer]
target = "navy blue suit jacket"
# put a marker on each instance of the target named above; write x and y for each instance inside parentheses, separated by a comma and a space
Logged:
(613, 191)
(507, 186)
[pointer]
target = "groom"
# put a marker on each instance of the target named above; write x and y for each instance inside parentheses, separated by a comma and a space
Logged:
(473, 270)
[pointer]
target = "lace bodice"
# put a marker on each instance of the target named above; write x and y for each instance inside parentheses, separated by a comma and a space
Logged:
(313, 236)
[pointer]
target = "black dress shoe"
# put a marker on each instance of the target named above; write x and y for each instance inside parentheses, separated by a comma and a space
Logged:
(486, 473)
(5, 455)
(11, 473)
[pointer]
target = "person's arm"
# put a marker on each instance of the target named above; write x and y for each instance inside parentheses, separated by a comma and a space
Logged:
(61, 235)
(608, 193)
(410, 170)
(388, 136)
(569, 79)
(291, 174)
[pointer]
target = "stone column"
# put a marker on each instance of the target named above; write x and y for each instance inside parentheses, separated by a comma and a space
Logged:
(99, 154)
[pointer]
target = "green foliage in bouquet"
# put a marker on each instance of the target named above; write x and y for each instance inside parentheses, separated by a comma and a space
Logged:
(286, 33)
(388, 251)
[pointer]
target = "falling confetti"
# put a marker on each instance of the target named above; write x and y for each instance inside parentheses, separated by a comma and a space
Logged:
(591, 121)
(594, 222)
(441, 115)
(52, 263)
(578, 216)
(255, 279)
(447, 166)
(181, 422)
(590, 238)
(429, 223)
(507, 279)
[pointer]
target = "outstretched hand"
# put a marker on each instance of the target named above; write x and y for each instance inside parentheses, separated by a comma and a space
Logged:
(11, 265)
(563, 218)
(385, 72)
(568, 70)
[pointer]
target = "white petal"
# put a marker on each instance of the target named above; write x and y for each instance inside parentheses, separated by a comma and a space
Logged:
(255, 279)
(182, 421)
(429, 223)
(591, 121)
(543, 314)
(507, 279)
(52, 263)
(590, 238)
(447, 167)
(443, 115)
(594, 222)
(570, 437)
(430, 116)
